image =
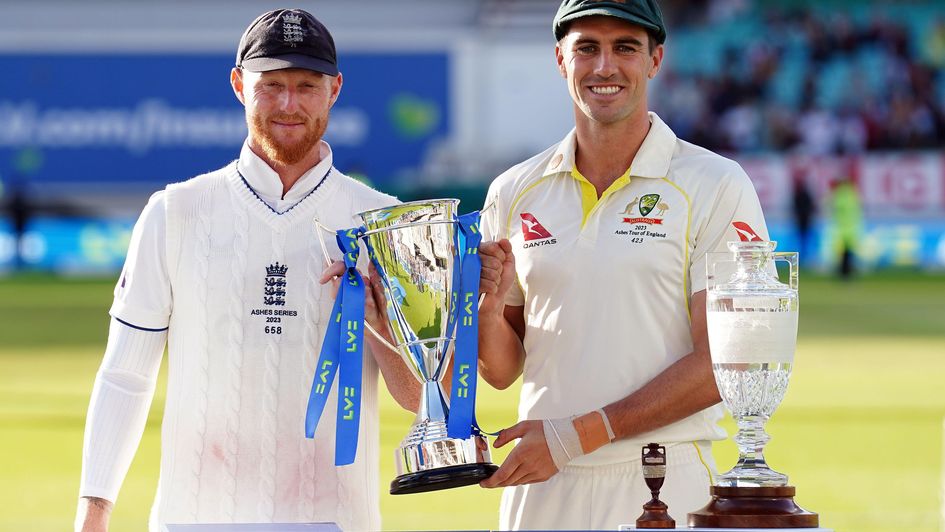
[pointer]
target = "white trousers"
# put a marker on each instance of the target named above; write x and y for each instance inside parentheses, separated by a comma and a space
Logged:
(607, 496)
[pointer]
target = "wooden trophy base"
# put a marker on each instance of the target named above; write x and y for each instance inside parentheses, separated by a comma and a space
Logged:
(655, 516)
(752, 508)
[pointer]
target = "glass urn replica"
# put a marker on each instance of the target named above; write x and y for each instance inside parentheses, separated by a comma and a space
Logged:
(752, 327)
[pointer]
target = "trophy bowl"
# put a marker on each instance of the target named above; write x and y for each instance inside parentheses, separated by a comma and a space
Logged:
(414, 248)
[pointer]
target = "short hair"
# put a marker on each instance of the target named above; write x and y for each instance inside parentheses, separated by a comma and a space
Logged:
(651, 41)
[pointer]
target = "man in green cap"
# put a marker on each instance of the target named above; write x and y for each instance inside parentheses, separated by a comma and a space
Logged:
(594, 281)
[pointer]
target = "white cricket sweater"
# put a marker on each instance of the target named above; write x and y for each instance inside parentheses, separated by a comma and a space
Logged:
(245, 317)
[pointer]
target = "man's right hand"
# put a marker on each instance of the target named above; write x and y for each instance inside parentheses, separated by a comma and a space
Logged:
(530, 461)
(501, 327)
(498, 274)
(93, 514)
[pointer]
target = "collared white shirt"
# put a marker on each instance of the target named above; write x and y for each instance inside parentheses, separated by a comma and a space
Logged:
(266, 184)
(606, 282)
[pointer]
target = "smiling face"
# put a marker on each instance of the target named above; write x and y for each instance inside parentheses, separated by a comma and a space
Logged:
(286, 110)
(607, 63)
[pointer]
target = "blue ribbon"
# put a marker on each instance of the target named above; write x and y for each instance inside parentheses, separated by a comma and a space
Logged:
(461, 420)
(342, 346)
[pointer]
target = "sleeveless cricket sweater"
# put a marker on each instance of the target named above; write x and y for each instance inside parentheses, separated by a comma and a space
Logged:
(244, 334)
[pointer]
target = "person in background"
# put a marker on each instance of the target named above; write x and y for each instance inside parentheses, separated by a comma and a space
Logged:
(803, 209)
(847, 218)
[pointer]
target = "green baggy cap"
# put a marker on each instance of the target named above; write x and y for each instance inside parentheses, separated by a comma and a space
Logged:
(640, 12)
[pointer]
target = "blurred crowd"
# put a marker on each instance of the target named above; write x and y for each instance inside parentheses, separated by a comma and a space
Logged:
(804, 81)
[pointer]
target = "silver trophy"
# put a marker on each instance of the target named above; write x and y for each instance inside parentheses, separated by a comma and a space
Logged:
(413, 248)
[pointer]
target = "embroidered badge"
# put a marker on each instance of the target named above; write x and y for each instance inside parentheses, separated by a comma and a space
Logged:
(644, 206)
(292, 32)
(274, 315)
(647, 203)
(642, 213)
(275, 285)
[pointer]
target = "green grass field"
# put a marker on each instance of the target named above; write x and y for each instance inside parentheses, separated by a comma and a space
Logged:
(859, 432)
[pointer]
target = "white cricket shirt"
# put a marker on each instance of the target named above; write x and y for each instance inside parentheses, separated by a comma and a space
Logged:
(606, 283)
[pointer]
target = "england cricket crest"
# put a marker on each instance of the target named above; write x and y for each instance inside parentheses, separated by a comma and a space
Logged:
(275, 285)
(292, 32)
(648, 202)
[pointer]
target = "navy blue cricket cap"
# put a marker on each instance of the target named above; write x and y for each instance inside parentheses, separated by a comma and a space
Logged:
(645, 13)
(287, 38)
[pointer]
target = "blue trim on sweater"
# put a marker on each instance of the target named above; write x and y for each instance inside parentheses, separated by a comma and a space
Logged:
(324, 177)
(139, 328)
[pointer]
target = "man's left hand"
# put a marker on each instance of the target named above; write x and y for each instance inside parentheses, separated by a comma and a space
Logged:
(529, 462)
(375, 301)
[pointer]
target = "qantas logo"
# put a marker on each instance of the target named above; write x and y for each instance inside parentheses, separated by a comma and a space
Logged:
(533, 230)
(745, 232)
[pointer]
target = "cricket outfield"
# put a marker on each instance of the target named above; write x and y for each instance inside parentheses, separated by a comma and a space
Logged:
(859, 432)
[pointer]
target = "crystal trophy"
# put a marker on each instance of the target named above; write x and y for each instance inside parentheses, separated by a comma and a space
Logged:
(752, 327)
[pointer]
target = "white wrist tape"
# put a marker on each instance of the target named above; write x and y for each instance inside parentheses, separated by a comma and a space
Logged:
(563, 440)
(610, 431)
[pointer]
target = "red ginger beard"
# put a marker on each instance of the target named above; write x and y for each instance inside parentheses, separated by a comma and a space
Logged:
(287, 154)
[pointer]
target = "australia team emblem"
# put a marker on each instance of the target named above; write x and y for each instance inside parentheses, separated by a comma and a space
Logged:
(642, 207)
(648, 202)
(642, 214)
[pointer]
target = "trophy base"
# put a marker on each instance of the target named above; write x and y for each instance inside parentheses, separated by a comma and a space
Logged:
(752, 507)
(441, 478)
(655, 515)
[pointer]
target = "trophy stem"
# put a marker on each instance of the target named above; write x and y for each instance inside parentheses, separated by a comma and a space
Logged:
(433, 403)
(751, 439)
(751, 469)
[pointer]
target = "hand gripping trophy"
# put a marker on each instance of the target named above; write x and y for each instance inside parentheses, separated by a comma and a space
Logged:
(752, 325)
(427, 259)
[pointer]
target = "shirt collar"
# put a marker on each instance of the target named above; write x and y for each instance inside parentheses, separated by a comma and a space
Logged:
(656, 152)
(563, 158)
(266, 183)
(652, 160)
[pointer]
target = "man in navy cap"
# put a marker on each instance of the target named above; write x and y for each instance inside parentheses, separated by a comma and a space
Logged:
(223, 269)
(595, 288)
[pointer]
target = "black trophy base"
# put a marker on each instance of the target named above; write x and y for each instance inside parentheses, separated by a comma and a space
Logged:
(441, 478)
(750, 507)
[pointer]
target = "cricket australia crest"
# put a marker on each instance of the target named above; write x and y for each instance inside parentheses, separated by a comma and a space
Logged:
(642, 213)
(647, 203)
